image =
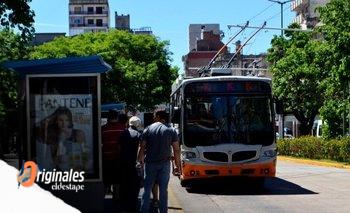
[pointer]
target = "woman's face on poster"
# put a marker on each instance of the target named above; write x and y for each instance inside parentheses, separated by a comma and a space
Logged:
(63, 122)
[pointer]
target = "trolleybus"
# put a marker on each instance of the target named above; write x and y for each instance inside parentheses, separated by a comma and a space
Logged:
(226, 127)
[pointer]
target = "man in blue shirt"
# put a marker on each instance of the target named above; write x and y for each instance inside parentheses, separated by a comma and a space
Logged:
(155, 152)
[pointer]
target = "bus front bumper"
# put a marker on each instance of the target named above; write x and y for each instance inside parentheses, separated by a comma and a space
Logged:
(204, 171)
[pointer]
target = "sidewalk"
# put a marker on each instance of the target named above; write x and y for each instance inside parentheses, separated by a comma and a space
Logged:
(173, 203)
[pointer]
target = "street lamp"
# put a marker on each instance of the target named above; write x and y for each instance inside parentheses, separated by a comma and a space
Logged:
(281, 3)
(281, 118)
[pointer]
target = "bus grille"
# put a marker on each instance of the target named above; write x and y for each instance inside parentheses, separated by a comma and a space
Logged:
(216, 156)
(243, 155)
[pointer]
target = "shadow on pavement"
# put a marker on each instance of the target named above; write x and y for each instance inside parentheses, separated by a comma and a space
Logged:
(113, 206)
(272, 186)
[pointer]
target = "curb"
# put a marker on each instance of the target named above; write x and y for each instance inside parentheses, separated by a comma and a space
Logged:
(314, 162)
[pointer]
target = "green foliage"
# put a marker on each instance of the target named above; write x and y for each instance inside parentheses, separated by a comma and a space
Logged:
(13, 13)
(312, 71)
(17, 13)
(12, 48)
(316, 148)
(298, 67)
(335, 30)
(332, 112)
(141, 75)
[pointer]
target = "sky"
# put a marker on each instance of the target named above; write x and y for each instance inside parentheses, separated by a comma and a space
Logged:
(170, 20)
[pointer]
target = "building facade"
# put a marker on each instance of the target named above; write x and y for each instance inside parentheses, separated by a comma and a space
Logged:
(195, 33)
(41, 38)
(142, 30)
(207, 43)
(306, 14)
(122, 22)
(88, 16)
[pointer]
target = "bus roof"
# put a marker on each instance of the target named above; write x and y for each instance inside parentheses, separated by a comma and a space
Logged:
(179, 83)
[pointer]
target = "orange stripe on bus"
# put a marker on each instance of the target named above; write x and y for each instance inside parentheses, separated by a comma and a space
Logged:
(190, 171)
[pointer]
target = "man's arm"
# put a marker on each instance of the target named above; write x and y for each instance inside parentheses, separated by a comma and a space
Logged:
(141, 154)
(177, 152)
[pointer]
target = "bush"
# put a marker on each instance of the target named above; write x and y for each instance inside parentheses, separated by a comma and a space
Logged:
(316, 148)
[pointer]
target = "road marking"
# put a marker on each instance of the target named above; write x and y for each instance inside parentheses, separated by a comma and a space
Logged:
(174, 204)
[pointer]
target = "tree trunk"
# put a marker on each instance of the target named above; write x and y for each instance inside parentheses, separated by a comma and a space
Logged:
(306, 123)
(305, 128)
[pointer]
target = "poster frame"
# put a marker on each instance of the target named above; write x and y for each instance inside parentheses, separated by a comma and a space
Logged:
(98, 92)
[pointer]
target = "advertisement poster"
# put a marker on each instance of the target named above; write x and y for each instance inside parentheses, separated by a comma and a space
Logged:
(64, 132)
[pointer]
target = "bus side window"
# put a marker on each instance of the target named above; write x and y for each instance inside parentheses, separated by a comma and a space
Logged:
(176, 115)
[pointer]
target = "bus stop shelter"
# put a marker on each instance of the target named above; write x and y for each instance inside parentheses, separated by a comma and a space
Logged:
(60, 117)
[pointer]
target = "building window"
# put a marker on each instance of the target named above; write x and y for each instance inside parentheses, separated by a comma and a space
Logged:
(76, 21)
(99, 22)
(98, 10)
(90, 21)
(90, 10)
(77, 10)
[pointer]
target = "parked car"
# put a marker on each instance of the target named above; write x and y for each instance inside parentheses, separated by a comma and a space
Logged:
(286, 136)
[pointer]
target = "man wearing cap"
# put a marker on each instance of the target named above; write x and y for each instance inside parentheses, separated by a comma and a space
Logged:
(130, 185)
(155, 152)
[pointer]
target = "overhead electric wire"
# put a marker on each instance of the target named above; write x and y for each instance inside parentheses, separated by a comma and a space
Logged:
(275, 15)
(261, 11)
(251, 44)
(241, 47)
(231, 39)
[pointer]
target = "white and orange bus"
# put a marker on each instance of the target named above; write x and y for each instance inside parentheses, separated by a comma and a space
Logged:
(226, 127)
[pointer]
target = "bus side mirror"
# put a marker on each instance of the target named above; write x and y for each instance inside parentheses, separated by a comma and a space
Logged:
(176, 115)
(279, 106)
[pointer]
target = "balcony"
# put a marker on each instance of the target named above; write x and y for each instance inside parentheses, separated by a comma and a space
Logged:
(94, 13)
(298, 19)
(88, 1)
(88, 25)
(296, 5)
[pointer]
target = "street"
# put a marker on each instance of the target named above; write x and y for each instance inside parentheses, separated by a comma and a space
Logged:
(297, 188)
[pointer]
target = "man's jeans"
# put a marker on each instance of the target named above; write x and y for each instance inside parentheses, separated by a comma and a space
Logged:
(160, 173)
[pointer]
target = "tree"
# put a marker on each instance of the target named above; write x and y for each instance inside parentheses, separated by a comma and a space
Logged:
(12, 48)
(13, 13)
(335, 17)
(17, 13)
(298, 63)
(141, 74)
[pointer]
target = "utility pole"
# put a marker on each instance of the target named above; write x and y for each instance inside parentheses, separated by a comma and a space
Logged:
(281, 117)
(281, 3)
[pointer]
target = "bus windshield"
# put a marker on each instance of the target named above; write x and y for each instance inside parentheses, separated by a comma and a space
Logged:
(226, 118)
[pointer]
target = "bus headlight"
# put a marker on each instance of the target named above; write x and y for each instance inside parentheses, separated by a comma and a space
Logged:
(270, 153)
(188, 155)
